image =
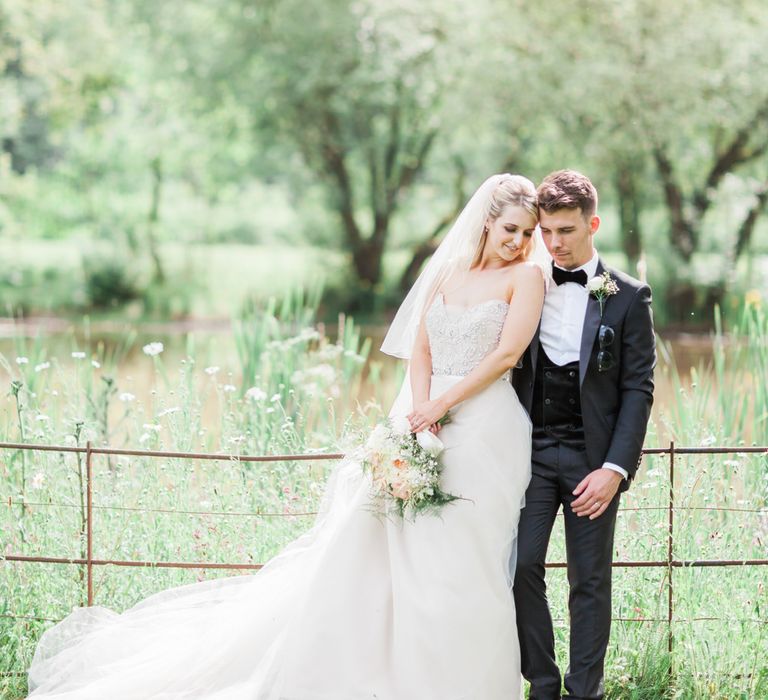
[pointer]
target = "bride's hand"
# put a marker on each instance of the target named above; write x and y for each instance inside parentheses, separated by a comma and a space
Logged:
(426, 414)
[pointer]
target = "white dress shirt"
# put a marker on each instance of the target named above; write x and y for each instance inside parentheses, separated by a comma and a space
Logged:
(562, 324)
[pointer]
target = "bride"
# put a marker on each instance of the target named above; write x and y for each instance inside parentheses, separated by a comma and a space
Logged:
(362, 607)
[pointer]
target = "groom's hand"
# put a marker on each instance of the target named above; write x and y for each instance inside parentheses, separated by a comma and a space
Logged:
(595, 492)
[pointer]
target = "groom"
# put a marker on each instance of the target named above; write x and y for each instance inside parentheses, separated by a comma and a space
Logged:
(586, 380)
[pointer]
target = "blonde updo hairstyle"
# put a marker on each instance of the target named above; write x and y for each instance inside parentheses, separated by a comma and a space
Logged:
(513, 190)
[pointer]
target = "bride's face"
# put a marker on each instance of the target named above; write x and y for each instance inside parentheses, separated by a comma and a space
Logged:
(510, 234)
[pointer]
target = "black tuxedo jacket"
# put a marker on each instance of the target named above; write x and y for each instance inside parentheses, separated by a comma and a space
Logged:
(616, 403)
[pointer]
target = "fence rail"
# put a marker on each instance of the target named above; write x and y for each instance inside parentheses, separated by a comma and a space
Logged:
(669, 563)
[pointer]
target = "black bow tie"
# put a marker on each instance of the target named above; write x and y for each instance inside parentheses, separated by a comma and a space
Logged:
(560, 276)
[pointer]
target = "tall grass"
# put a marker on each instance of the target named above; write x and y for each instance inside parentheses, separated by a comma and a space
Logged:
(284, 397)
(294, 389)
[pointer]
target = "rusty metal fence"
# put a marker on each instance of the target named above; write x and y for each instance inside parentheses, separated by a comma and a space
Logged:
(670, 563)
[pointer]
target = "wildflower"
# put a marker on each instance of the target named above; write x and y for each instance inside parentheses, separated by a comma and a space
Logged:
(229, 388)
(330, 352)
(255, 394)
(324, 372)
(96, 364)
(151, 426)
(41, 417)
(211, 370)
(22, 361)
(753, 297)
(359, 359)
(153, 349)
(168, 411)
(308, 334)
(126, 397)
(275, 398)
(38, 480)
(78, 355)
(312, 389)
(41, 366)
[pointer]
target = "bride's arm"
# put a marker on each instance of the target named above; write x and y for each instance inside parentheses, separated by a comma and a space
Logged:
(421, 366)
(521, 323)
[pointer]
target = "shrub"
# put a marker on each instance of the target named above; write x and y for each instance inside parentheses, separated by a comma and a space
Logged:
(110, 280)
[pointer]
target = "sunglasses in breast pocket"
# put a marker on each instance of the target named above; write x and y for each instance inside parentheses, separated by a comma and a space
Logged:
(605, 357)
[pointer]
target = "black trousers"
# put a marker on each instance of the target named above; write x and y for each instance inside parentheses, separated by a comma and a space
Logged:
(589, 548)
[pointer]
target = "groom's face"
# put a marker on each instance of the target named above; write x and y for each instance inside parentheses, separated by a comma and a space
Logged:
(568, 236)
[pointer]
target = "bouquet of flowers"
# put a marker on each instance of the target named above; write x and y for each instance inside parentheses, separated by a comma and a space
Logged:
(405, 469)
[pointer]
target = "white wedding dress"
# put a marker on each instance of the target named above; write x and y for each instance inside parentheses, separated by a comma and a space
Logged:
(357, 608)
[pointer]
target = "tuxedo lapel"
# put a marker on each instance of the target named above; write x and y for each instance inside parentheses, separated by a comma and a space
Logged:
(590, 328)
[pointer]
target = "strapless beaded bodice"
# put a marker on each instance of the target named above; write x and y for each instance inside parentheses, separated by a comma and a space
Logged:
(459, 338)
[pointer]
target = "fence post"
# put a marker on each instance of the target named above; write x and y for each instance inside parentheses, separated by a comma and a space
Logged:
(670, 549)
(89, 520)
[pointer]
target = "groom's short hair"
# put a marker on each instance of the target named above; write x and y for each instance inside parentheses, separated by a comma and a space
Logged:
(567, 189)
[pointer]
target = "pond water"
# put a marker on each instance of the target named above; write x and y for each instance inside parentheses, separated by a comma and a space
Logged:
(211, 343)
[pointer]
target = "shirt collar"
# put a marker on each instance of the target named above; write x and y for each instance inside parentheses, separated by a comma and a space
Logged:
(589, 267)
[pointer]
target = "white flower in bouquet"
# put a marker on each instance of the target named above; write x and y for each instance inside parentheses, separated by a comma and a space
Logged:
(430, 442)
(401, 425)
(378, 438)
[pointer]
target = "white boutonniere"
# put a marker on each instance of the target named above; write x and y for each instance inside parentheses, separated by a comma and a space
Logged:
(601, 288)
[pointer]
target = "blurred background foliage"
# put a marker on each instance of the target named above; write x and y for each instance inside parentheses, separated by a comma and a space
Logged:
(193, 161)
(179, 158)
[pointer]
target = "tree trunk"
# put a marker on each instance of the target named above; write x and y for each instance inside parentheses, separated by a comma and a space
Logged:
(430, 243)
(154, 217)
(629, 214)
(367, 263)
(681, 230)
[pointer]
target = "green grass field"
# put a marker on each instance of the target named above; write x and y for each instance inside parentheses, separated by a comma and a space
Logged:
(292, 389)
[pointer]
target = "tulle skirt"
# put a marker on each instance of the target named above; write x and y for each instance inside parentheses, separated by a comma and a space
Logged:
(357, 608)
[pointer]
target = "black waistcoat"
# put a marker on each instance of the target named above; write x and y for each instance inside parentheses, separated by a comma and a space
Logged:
(556, 408)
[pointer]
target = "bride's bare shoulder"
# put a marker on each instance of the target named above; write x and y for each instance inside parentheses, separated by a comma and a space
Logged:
(526, 273)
